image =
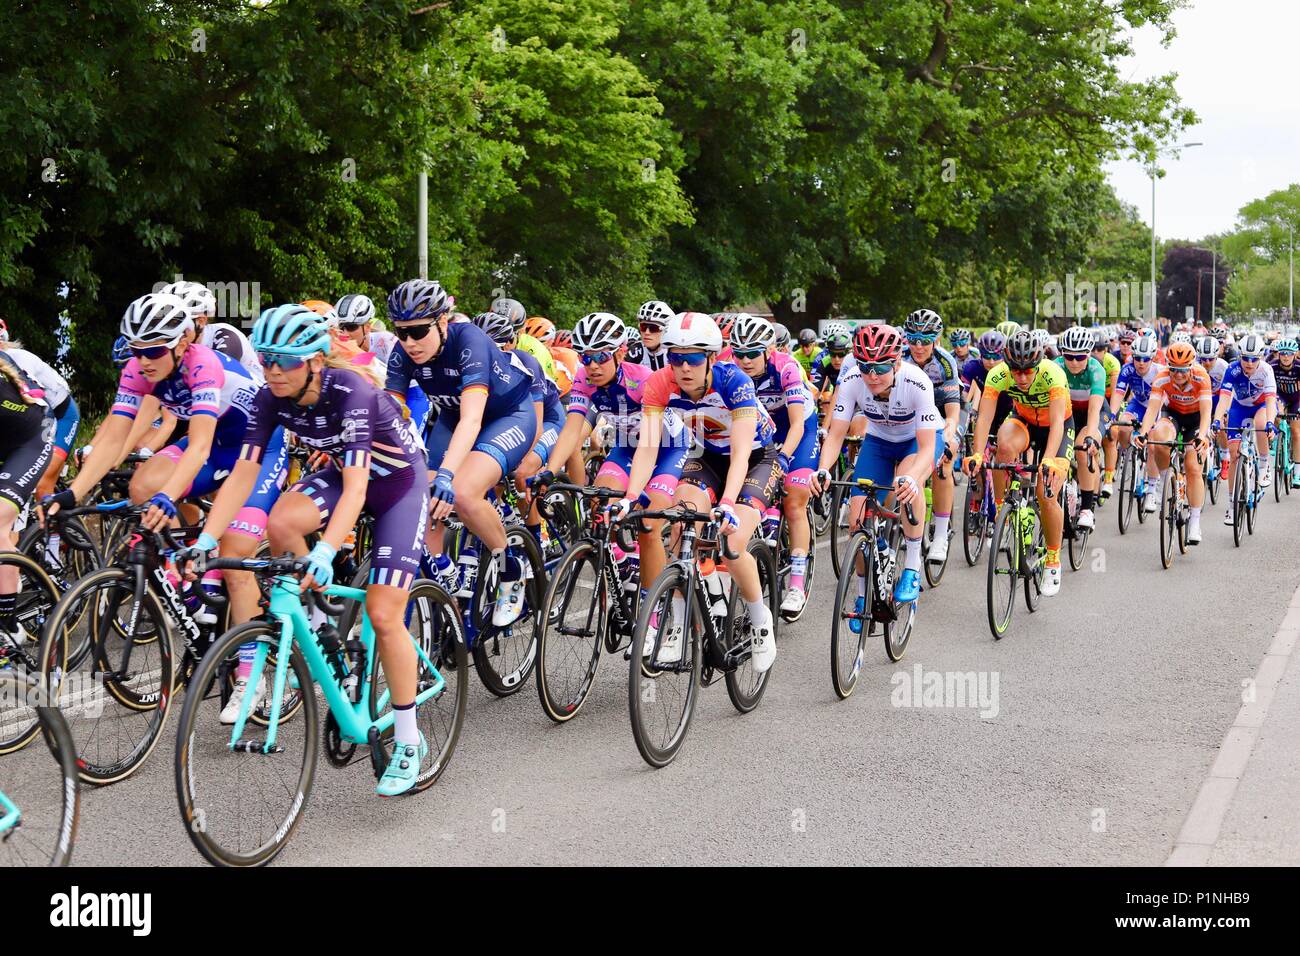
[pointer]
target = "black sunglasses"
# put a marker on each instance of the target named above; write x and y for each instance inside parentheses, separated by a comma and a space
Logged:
(415, 332)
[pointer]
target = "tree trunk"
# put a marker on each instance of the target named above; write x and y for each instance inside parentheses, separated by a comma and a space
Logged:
(806, 311)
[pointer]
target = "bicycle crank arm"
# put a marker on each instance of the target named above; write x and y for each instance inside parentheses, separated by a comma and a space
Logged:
(254, 747)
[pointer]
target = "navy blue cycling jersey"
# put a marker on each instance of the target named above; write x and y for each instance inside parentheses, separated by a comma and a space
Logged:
(543, 389)
(468, 360)
(1287, 379)
(941, 368)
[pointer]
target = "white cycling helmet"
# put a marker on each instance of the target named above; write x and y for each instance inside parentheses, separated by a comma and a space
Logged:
(654, 312)
(355, 309)
(1181, 336)
(599, 332)
(1145, 346)
(1251, 345)
(157, 317)
(1207, 346)
(751, 332)
(693, 330)
(197, 297)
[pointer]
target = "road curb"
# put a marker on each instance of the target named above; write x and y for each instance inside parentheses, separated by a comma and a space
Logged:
(1201, 829)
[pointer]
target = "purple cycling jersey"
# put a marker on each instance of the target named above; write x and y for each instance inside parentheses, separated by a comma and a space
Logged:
(354, 422)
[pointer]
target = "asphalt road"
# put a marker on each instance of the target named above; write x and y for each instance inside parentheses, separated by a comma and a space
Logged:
(1111, 702)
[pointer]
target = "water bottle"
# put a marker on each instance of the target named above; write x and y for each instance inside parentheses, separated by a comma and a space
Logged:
(713, 586)
(467, 564)
(629, 568)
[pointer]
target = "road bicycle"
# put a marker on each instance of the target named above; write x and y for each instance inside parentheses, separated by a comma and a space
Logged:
(1175, 508)
(40, 801)
(1075, 536)
(1132, 486)
(1247, 491)
(20, 637)
(780, 544)
(864, 598)
(978, 515)
(588, 607)
(1282, 458)
(662, 695)
(934, 569)
(242, 788)
(1019, 550)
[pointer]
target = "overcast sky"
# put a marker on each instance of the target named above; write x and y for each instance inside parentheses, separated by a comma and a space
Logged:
(1235, 61)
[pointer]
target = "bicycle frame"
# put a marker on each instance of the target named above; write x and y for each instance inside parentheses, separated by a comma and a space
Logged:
(11, 814)
(355, 725)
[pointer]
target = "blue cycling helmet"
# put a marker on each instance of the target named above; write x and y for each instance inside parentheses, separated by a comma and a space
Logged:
(121, 352)
(417, 299)
(291, 329)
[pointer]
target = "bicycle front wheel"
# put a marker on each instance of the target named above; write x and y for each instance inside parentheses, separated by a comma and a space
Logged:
(242, 800)
(975, 523)
(40, 799)
(1003, 573)
(661, 693)
(1127, 486)
(848, 646)
(20, 649)
(504, 656)
(574, 620)
(745, 685)
(839, 529)
(1168, 521)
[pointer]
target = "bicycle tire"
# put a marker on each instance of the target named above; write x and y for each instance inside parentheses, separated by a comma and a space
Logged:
(1239, 502)
(442, 639)
(487, 648)
(49, 800)
(1168, 521)
(560, 705)
(59, 662)
(1035, 564)
(838, 534)
(745, 687)
(975, 524)
(643, 684)
(1005, 552)
(1253, 497)
(34, 606)
(783, 564)
(1127, 483)
(844, 678)
(1279, 470)
(200, 819)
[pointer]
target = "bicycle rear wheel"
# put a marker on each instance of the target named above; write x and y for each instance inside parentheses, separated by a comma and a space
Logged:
(1034, 560)
(1212, 475)
(574, 616)
(40, 799)
(241, 805)
(504, 656)
(848, 648)
(662, 696)
(745, 685)
(1239, 496)
(20, 650)
(1279, 469)
(1254, 496)
(1003, 574)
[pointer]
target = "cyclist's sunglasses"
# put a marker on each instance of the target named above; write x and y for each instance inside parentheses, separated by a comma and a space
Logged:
(835, 354)
(918, 339)
(287, 363)
(651, 327)
(152, 351)
(876, 368)
(1139, 358)
(1077, 356)
(1180, 368)
(350, 326)
(748, 353)
(596, 358)
(415, 332)
(687, 358)
(1247, 358)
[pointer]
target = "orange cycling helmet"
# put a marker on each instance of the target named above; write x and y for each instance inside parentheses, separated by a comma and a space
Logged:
(540, 328)
(326, 309)
(1180, 356)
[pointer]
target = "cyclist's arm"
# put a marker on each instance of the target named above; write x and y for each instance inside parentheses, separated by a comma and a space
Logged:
(1059, 410)
(108, 449)
(742, 439)
(923, 464)
(1094, 413)
(1207, 413)
(1271, 401)
(1225, 402)
(158, 438)
(1154, 404)
(983, 422)
(473, 401)
(231, 496)
(143, 424)
(795, 434)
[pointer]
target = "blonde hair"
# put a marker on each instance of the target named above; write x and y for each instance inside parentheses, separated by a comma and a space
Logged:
(343, 362)
(10, 371)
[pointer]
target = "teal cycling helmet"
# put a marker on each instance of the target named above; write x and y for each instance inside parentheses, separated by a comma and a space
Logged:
(1287, 345)
(291, 329)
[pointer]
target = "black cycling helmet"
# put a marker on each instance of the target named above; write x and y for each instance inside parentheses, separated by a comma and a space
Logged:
(807, 336)
(1024, 351)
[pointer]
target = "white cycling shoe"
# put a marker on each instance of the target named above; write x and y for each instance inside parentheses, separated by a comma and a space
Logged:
(1151, 502)
(1107, 489)
(1194, 530)
(1227, 516)
(938, 552)
(795, 599)
(230, 713)
(1051, 580)
(762, 637)
(1086, 519)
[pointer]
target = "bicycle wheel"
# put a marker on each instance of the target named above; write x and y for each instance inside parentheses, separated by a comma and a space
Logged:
(821, 512)
(1003, 574)
(73, 556)
(574, 613)
(839, 530)
(40, 800)
(20, 637)
(1034, 560)
(504, 656)
(1127, 483)
(1168, 521)
(848, 649)
(1239, 496)
(433, 620)
(1254, 495)
(1212, 478)
(975, 523)
(661, 696)
(1279, 469)
(783, 565)
(1141, 486)
(745, 685)
(241, 805)
(934, 569)
(111, 674)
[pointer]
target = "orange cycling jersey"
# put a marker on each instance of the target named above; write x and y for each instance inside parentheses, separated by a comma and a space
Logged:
(1187, 399)
(566, 368)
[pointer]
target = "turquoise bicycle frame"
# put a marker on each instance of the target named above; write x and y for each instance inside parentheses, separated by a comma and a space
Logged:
(11, 814)
(353, 719)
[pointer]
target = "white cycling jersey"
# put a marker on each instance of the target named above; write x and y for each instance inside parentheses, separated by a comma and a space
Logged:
(232, 343)
(908, 408)
(54, 385)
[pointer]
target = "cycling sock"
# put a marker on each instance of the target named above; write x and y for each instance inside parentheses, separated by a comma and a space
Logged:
(1196, 513)
(247, 653)
(758, 610)
(53, 545)
(405, 729)
(941, 524)
(1089, 499)
(798, 568)
(1053, 557)
(1110, 475)
(913, 559)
